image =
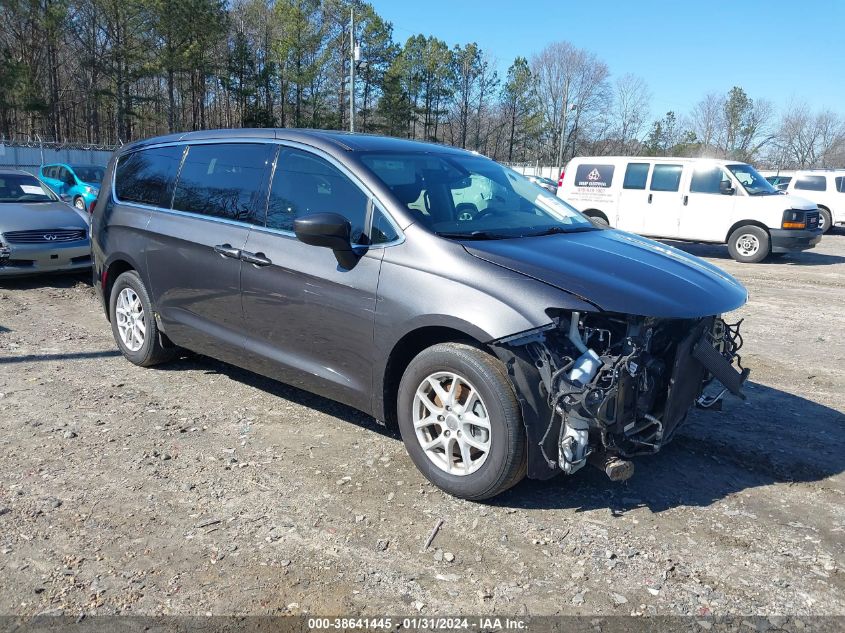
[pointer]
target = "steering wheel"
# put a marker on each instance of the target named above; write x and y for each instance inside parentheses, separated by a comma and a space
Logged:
(486, 212)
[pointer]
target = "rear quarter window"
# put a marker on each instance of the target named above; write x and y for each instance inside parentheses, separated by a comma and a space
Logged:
(840, 184)
(146, 176)
(811, 183)
(636, 175)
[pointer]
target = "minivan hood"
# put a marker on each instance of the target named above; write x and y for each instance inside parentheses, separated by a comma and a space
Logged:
(619, 272)
(33, 216)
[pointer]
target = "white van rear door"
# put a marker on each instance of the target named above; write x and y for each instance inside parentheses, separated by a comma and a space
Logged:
(633, 198)
(707, 211)
(663, 212)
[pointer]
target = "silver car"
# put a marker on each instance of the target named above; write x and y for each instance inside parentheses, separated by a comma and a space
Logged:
(38, 232)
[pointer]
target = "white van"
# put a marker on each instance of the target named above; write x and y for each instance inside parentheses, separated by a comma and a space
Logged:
(692, 199)
(825, 187)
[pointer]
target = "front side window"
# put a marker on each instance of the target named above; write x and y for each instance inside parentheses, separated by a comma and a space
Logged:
(304, 183)
(636, 175)
(753, 183)
(709, 179)
(23, 188)
(811, 183)
(145, 176)
(223, 180)
(666, 177)
(464, 196)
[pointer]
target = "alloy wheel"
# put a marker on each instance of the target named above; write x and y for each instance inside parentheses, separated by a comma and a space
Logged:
(129, 312)
(451, 423)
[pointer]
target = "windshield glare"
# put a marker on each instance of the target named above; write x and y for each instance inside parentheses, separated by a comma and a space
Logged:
(23, 188)
(472, 196)
(752, 181)
(92, 174)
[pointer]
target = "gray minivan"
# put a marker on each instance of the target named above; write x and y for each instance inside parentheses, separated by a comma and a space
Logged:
(502, 331)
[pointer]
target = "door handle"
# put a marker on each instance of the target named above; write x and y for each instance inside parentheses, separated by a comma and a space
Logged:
(686, 199)
(649, 198)
(258, 259)
(226, 250)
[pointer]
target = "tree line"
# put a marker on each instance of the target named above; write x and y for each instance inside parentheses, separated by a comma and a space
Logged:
(111, 71)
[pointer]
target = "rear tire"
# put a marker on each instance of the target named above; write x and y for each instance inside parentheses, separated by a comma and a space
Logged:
(467, 436)
(749, 244)
(133, 325)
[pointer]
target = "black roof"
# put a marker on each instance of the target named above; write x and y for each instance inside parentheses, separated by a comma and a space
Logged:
(324, 139)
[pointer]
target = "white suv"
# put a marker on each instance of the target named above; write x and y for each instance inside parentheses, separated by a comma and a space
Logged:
(825, 187)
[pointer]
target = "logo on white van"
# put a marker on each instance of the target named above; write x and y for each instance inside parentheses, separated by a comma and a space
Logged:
(594, 176)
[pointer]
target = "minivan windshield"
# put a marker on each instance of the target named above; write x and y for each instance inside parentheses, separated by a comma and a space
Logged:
(92, 174)
(472, 197)
(23, 188)
(752, 181)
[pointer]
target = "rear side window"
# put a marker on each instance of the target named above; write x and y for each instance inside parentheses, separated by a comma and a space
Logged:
(708, 180)
(840, 184)
(666, 177)
(223, 180)
(636, 175)
(304, 183)
(145, 176)
(811, 183)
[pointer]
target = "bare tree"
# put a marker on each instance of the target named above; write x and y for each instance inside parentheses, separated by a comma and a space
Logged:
(629, 112)
(571, 86)
(707, 121)
(807, 139)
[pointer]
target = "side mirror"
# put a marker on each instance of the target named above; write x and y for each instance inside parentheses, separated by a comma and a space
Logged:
(725, 188)
(328, 230)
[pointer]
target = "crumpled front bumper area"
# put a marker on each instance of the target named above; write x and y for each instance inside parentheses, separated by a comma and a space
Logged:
(609, 387)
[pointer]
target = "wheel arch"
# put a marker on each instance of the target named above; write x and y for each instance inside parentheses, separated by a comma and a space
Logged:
(116, 266)
(405, 350)
(746, 222)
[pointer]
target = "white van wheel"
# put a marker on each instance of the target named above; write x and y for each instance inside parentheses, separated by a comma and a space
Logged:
(749, 244)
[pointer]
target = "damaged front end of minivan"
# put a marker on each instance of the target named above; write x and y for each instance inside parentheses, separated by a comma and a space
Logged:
(604, 387)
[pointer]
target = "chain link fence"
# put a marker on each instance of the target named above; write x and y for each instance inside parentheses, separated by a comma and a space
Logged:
(29, 154)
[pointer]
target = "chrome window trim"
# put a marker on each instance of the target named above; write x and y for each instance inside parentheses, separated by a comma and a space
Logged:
(258, 141)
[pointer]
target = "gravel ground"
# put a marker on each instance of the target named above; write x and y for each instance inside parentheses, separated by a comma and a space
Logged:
(199, 488)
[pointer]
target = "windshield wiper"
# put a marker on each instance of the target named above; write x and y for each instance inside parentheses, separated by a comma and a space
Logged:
(553, 230)
(473, 235)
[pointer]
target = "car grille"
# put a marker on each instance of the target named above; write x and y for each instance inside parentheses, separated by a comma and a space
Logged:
(812, 219)
(45, 236)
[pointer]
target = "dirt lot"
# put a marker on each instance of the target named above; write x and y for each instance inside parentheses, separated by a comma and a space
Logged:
(199, 488)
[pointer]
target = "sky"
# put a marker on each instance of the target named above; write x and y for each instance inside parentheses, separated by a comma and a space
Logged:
(776, 50)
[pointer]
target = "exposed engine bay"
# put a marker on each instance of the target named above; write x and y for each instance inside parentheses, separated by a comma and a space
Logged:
(616, 386)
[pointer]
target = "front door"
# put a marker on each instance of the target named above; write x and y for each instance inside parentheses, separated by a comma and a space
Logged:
(310, 320)
(193, 252)
(663, 204)
(707, 210)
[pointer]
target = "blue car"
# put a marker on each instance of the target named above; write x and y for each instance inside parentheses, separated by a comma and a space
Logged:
(77, 184)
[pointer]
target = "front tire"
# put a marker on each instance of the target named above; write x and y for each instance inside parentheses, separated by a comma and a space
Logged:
(133, 325)
(461, 422)
(749, 244)
(825, 220)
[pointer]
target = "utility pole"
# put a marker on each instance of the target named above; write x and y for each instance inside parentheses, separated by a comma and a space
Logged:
(563, 128)
(352, 70)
